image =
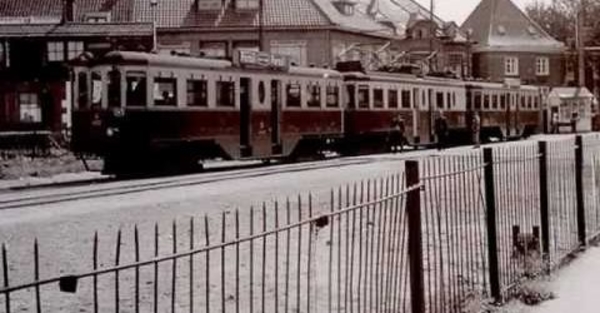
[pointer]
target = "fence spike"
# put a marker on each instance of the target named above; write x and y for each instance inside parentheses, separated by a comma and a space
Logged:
(191, 265)
(155, 293)
(36, 274)
(207, 273)
(237, 260)
(137, 269)
(276, 255)
(95, 267)
(174, 268)
(117, 261)
(223, 239)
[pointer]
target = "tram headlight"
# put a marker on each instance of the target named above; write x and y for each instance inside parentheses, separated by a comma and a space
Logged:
(111, 131)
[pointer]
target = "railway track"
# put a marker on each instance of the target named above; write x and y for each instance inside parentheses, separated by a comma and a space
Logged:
(115, 188)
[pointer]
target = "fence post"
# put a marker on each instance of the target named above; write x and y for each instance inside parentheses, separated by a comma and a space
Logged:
(545, 216)
(415, 248)
(579, 191)
(490, 202)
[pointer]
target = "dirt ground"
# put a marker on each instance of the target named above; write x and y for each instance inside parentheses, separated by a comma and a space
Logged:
(55, 163)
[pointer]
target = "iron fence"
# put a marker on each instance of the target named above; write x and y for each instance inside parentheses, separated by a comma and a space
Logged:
(445, 232)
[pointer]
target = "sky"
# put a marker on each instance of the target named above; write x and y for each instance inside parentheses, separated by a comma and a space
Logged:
(459, 10)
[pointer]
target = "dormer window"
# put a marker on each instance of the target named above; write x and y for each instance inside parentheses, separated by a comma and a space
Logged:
(97, 17)
(345, 7)
(246, 4)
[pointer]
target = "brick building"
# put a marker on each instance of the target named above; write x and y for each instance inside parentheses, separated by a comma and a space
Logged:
(508, 44)
(310, 31)
(37, 40)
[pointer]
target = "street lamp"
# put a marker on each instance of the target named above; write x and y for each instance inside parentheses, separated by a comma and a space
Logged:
(153, 5)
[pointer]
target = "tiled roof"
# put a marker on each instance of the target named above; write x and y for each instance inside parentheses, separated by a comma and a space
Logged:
(499, 25)
(182, 13)
(75, 30)
(121, 10)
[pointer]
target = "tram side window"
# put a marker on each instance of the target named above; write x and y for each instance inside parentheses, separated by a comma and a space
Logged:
(197, 93)
(363, 96)
(530, 102)
(523, 102)
(477, 100)
(225, 94)
(536, 102)
(314, 96)
(439, 99)
(449, 100)
(486, 101)
(114, 89)
(333, 98)
(495, 102)
(293, 95)
(136, 89)
(82, 89)
(165, 91)
(378, 98)
(392, 98)
(502, 101)
(406, 99)
(97, 89)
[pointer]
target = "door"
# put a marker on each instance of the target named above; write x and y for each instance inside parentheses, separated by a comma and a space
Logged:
(276, 117)
(245, 117)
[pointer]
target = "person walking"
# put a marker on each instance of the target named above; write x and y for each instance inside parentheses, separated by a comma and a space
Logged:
(554, 121)
(476, 125)
(441, 130)
(396, 139)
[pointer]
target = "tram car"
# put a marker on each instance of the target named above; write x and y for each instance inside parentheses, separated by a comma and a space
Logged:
(144, 112)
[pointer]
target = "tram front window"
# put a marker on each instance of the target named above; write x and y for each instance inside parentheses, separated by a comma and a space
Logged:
(97, 90)
(114, 89)
(165, 91)
(82, 90)
(136, 89)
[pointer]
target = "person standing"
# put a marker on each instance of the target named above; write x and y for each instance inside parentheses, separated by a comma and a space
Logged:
(396, 140)
(476, 129)
(554, 121)
(441, 130)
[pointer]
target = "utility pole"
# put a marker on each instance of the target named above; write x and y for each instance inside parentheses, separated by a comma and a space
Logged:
(580, 37)
(432, 32)
(261, 35)
(153, 5)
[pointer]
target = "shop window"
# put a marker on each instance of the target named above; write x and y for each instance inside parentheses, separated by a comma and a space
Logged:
(294, 98)
(165, 91)
(314, 96)
(30, 110)
(56, 51)
(74, 49)
(333, 98)
(197, 93)
(136, 89)
(225, 94)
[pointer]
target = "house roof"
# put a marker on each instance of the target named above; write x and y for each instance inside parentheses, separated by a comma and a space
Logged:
(499, 25)
(571, 92)
(120, 10)
(75, 30)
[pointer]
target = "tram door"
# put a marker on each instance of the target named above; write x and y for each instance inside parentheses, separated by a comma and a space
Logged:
(276, 117)
(245, 117)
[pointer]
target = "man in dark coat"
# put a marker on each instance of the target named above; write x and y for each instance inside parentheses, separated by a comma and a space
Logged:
(441, 130)
(396, 139)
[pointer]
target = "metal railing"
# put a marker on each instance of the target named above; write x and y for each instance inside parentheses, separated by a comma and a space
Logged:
(445, 232)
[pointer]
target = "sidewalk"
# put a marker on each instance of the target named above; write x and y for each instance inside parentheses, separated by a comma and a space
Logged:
(577, 286)
(25, 182)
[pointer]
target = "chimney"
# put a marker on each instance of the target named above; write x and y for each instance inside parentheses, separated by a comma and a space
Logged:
(68, 10)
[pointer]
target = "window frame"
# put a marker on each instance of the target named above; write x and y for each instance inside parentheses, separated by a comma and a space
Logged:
(313, 93)
(219, 84)
(196, 94)
(30, 106)
(511, 66)
(393, 98)
(163, 102)
(293, 101)
(332, 91)
(542, 66)
(55, 51)
(143, 82)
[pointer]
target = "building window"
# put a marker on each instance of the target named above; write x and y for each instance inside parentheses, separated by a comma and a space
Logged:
(246, 4)
(511, 66)
(197, 93)
(295, 50)
(74, 49)
(29, 108)
(165, 91)
(56, 51)
(136, 89)
(214, 49)
(542, 66)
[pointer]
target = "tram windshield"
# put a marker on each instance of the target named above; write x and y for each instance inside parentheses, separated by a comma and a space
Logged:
(136, 89)
(97, 90)
(82, 90)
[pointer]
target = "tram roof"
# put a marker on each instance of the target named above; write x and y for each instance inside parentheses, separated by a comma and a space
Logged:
(141, 58)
